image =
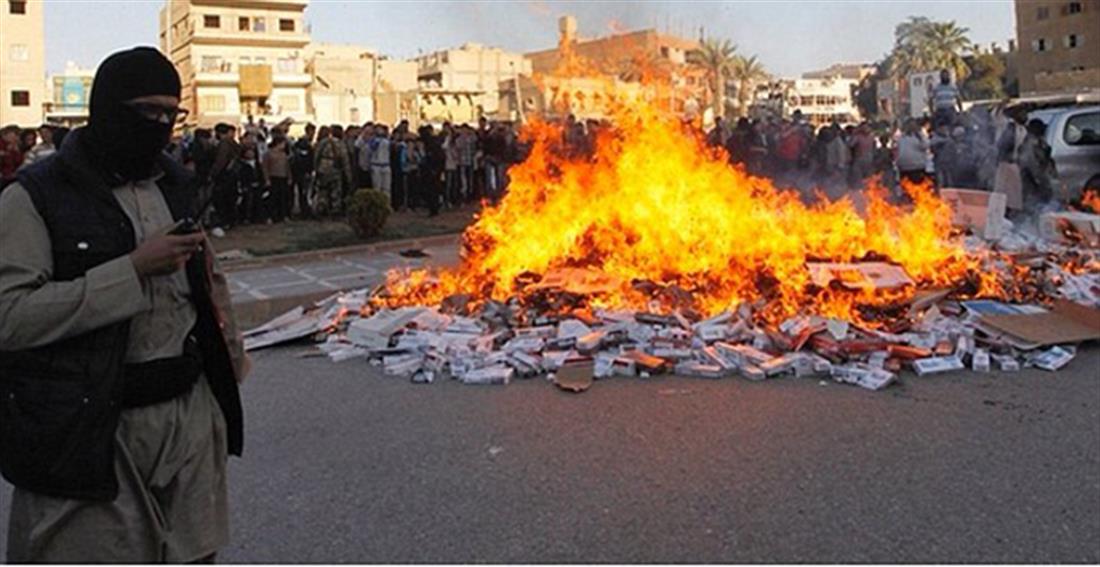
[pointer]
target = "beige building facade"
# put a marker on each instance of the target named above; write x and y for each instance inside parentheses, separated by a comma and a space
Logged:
(469, 70)
(1058, 45)
(22, 63)
(239, 58)
(621, 59)
(350, 84)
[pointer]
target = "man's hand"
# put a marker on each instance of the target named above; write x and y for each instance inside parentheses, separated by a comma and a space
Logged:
(165, 253)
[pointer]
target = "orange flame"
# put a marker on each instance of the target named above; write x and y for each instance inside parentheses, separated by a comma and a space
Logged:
(655, 204)
(1091, 200)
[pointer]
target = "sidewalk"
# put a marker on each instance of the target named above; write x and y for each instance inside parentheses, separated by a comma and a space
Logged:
(266, 287)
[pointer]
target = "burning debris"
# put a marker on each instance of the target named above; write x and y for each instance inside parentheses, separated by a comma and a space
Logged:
(559, 337)
(654, 256)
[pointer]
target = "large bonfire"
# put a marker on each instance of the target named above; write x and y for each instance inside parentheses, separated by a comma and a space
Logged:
(670, 225)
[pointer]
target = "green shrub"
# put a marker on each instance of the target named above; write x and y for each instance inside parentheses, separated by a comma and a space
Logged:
(367, 212)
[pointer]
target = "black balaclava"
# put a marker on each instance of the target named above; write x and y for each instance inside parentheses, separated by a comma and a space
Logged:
(126, 143)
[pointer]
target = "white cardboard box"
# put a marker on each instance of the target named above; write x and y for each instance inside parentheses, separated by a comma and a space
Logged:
(982, 211)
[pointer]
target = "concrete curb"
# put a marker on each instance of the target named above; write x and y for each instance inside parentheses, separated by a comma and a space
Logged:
(314, 255)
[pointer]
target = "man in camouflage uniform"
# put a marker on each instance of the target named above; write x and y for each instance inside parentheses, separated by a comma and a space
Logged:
(332, 169)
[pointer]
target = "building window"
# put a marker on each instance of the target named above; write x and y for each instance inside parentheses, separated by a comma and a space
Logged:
(20, 98)
(1042, 13)
(1073, 41)
(210, 64)
(246, 60)
(259, 24)
(19, 52)
(212, 103)
(289, 103)
(286, 25)
(1040, 45)
(286, 65)
(211, 21)
(242, 23)
(1073, 8)
(17, 6)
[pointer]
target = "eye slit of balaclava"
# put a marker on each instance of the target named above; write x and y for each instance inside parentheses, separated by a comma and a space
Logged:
(126, 143)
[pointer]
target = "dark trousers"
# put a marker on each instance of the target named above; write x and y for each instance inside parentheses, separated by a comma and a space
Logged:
(225, 202)
(397, 188)
(280, 198)
(914, 175)
(364, 178)
(453, 185)
(431, 184)
(302, 183)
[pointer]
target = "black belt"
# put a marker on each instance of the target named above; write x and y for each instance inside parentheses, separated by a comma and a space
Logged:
(163, 379)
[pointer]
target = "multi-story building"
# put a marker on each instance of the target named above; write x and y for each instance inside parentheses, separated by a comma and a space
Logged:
(22, 62)
(1058, 45)
(351, 82)
(627, 57)
(471, 71)
(68, 94)
(238, 58)
(822, 101)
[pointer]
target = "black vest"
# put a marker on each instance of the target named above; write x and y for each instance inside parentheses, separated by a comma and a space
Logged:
(62, 401)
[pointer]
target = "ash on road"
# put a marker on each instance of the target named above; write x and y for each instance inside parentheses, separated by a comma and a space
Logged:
(344, 465)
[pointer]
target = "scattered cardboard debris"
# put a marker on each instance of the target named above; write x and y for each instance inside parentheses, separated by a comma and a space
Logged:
(857, 276)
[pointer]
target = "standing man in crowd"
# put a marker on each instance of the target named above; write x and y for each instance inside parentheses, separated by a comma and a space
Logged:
(1038, 176)
(301, 165)
(946, 101)
(119, 354)
(329, 164)
(912, 154)
(11, 157)
(378, 147)
(223, 174)
(43, 148)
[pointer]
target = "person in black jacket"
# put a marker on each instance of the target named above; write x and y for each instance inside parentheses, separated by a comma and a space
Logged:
(301, 168)
(119, 352)
(434, 161)
(223, 175)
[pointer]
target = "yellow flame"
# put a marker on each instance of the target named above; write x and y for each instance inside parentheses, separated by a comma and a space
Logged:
(655, 204)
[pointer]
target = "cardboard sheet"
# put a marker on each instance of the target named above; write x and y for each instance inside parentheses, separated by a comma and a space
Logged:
(1071, 227)
(574, 377)
(981, 211)
(1066, 322)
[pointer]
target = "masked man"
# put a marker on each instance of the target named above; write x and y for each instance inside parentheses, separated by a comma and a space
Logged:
(119, 356)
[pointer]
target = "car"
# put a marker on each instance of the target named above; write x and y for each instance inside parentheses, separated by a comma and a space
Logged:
(1074, 137)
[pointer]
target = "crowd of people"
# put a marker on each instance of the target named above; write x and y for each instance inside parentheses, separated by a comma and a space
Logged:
(976, 149)
(261, 174)
(254, 173)
(20, 147)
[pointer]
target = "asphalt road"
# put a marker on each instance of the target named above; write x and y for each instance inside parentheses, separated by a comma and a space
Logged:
(342, 464)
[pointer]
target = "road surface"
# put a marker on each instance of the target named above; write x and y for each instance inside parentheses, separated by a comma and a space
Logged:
(344, 465)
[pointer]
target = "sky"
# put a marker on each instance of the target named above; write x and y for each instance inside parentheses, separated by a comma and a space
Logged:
(790, 37)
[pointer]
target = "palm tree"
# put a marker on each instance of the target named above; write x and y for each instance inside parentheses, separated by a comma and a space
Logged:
(747, 71)
(946, 43)
(925, 45)
(716, 57)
